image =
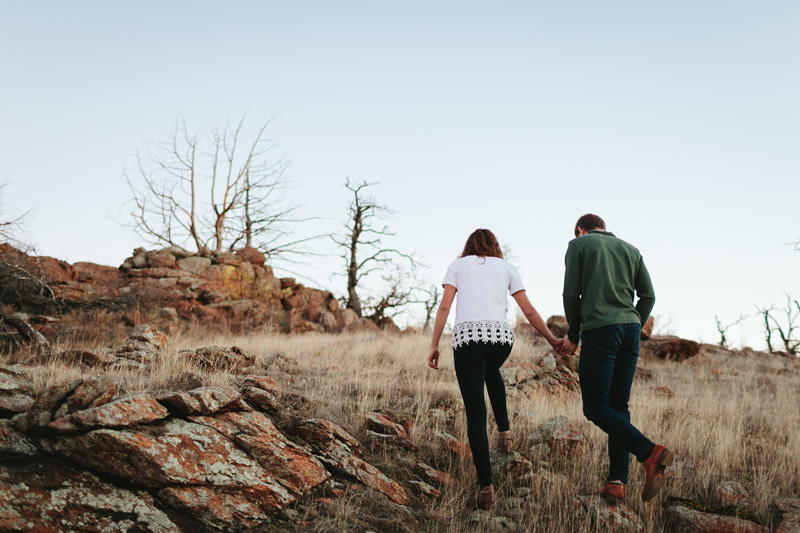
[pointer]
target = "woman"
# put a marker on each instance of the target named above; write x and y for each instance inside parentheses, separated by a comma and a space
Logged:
(482, 340)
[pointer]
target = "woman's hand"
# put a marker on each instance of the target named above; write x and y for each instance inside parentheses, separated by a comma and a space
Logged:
(433, 358)
(557, 344)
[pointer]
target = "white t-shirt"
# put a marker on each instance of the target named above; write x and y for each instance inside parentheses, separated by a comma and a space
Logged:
(482, 285)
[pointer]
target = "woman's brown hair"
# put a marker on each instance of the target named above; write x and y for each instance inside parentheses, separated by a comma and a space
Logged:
(482, 243)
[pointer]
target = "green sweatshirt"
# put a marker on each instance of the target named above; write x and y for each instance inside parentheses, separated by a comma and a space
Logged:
(602, 273)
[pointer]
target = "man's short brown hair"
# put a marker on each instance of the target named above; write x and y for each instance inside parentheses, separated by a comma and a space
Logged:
(589, 222)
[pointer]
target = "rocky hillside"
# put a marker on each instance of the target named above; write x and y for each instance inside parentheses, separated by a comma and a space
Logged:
(93, 454)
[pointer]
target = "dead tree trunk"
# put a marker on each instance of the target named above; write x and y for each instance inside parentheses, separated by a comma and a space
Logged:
(26, 330)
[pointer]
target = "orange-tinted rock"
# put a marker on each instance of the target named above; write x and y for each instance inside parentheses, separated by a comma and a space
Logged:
(251, 255)
(224, 508)
(436, 476)
(152, 338)
(52, 496)
(669, 347)
(664, 391)
(732, 493)
(451, 443)
(292, 466)
(607, 516)
(337, 449)
(262, 391)
(426, 490)
(682, 518)
(194, 264)
(13, 383)
(125, 412)
(362, 325)
(561, 436)
(380, 423)
(203, 401)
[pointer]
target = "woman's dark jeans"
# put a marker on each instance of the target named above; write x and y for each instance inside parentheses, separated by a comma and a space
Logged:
(607, 364)
(478, 363)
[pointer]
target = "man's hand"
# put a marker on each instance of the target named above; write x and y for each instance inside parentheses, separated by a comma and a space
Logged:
(568, 347)
(433, 358)
(558, 345)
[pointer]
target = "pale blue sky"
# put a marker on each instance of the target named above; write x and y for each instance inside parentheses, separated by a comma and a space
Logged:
(677, 122)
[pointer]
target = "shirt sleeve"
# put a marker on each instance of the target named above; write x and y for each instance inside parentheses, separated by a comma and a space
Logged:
(450, 276)
(514, 280)
(572, 292)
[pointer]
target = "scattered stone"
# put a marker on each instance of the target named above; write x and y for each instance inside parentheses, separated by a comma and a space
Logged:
(562, 436)
(423, 488)
(549, 362)
(511, 463)
(436, 476)
(381, 423)
(664, 391)
(339, 450)
(281, 361)
(263, 392)
(145, 338)
(683, 518)
(443, 415)
(732, 493)
(684, 466)
(643, 373)
(607, 516)
(490, 522)
(453, 444)
(52, 496)
(391, 441)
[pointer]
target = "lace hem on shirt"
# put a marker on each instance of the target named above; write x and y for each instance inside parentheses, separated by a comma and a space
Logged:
(489, 331)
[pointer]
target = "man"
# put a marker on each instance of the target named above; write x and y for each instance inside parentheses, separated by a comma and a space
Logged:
(602, 274)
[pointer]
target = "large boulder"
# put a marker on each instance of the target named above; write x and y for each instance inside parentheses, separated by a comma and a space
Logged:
(683, 518)
(560, 437)
(669, 347)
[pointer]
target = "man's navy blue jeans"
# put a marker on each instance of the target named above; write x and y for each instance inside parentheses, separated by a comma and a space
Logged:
(607, 364)
(477, 363)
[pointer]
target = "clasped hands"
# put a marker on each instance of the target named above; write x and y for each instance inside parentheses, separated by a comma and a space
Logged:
(564, 346)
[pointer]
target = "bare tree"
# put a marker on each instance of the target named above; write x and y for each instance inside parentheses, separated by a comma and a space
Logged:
(212, 190)
(364, 250)
(786, 331)
(723, 330)
(430, 305)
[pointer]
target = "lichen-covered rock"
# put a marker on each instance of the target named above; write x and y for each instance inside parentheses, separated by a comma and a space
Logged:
(511, 463)
(14, 403)
(263, 391)
(424, 489)
(732, 493)
(124, 412)
(14, 384)
(203, 401)
(13, 443)
(93, 392)
(606, 516)
(391, 441)
(90, 358)
(41, 412)
(53, 496)
(682, 518)
(562, 437)
(788, 510)
(338, 450)
(152, 338)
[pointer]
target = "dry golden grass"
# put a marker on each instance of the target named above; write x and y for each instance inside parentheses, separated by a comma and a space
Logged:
(736, 413)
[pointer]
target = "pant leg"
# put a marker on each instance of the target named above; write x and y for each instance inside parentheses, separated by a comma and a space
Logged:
(497, 354)
(470, 367)
(597, 368)
(619, 394)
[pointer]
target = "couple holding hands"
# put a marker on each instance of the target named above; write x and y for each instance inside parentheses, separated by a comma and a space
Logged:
(603, 274)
